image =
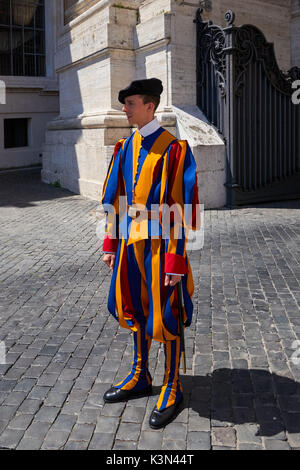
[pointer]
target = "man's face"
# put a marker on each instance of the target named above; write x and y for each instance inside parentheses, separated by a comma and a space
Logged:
(136, 111)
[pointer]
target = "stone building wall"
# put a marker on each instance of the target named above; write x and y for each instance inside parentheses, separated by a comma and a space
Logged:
(34, 99)
(295, 33)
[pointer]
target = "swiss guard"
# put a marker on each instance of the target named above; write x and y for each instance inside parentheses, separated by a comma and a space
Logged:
(150, 197)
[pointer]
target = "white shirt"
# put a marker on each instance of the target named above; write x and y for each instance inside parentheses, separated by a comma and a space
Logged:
(149, 128)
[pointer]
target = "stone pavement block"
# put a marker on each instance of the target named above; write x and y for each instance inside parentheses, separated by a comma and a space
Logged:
(77, 395)
(48, 350)
(125, 445)
(30, 406)
(34, 372)
(37, 429)
(293, 438)
(54, 368)
(83, 383)
(176, 431)
(174, 444)
(107, 376)
(72, 407)
(47, 414)
(55, 398)
(89, 371)
(198, 440)
(248, 433)
(76, 445)
(38, 393)
(113, 409)
(64, 422)
(128, 432)
(82, 432)
(69, 374)
(76, 362)
(15, 373)
(63, 386)
(95, 401)
(7, 412)
(198, 423)
(107, 424)
(7, 385)
(3, 424)
(133, 414)
(102, 441)
(30, 443)
(273, 444)
(55, 440)
(222, 448)
(15, 398)
(150, 440)
(87, 416)
(10, 438)
(21, 421)
(247, 446)
(223, 437)
(47, 380)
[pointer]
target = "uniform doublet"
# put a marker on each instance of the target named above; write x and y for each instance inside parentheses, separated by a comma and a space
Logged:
(152, 170)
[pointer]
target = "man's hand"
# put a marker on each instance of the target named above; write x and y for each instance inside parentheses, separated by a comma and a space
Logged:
(109, 259)
(171, 280)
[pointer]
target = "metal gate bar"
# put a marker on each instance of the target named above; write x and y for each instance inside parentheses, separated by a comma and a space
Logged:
(245, 95)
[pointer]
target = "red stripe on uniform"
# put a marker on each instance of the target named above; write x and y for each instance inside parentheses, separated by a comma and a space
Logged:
(125, 290)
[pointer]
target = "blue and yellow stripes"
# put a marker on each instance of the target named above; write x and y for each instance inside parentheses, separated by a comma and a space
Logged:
(137, 284)
(171, 392)
(139, 376)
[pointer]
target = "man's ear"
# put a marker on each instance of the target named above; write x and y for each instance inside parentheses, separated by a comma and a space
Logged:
(151, 107)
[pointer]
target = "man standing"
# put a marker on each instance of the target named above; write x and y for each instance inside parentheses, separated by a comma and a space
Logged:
(154, 171)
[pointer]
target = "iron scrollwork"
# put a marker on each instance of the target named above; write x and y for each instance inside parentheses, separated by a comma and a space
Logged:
(242, 91)
(251, 45)
(210, 49)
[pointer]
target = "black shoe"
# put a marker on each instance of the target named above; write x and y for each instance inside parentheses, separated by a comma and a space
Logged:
(159, 419)
(115, 395)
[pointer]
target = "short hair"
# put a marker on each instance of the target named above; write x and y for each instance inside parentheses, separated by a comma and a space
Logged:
(151, 99)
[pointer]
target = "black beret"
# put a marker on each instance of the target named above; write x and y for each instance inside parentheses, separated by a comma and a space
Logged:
(150, 86)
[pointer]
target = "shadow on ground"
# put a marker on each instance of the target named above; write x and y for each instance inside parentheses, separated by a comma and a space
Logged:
(23, 188)
(288, 204)
(239, 396)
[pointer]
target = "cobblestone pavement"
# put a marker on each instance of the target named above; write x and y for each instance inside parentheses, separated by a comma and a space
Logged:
(63, 349)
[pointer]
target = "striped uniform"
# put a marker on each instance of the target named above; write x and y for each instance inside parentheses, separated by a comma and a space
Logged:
(154, 170)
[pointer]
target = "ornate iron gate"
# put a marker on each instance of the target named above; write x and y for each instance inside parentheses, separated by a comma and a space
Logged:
(245, 95)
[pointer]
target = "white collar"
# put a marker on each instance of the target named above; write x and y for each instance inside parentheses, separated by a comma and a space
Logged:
(149, 128)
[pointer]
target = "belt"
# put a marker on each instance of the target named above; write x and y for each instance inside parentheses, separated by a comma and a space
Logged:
(134, 212)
